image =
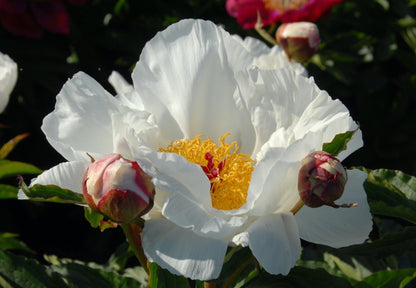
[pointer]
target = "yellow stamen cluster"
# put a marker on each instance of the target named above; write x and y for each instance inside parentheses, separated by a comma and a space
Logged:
(229, 187)
(284, 5)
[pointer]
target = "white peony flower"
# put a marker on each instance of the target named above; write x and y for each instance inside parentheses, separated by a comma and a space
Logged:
(195, 79)
(8, 78)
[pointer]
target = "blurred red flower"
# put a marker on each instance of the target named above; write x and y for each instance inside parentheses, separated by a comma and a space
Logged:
(272, 11)
(30, 17)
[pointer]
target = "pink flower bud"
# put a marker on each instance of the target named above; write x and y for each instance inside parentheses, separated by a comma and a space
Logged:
(300, 40)
(321, 180)
(118, 188)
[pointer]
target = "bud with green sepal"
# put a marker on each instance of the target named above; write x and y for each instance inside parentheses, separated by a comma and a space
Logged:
(321, 180)
(118, 188)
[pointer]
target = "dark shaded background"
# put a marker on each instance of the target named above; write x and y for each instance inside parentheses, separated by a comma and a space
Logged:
(367, 60)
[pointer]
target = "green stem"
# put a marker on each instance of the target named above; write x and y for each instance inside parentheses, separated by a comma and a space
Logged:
(231, 253)
(297, 207)
(230, 280)
(132, 232)
(209, 285)
(263, 33)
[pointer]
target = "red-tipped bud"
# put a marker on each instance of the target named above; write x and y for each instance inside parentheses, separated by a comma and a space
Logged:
(300, 40)
(321, 180)
(118, 188)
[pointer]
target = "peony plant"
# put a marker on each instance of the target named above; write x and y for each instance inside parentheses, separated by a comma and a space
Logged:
(222, 134)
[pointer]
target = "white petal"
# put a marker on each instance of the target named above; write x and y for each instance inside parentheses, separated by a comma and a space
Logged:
(119, 83)
(331, 117)
(81, 121)
(67, 175)
(181, 251)
(274, 181)
(189, 213)
(293, 106)
(254, 46)
(185, 77)
(130, 126)
(277, 59)
(274, 241)
(125, 92)
(8, 78)
(278, 188)
(173, 173)
(343, 226)
(156, 211)
(269, 58)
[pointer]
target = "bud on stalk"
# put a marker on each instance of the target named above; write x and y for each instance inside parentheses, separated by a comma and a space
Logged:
(321, 180)
(118, 188)
(300, 40)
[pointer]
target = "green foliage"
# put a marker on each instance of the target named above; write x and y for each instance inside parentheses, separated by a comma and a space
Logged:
(388, 279)
(392, 193)
(300, 277)
(80, 274)
(96, 219)
(8, 191)
(9, 241)
(13, 168)
(93, 217)
(391, 244)
(161, 278)
(51, 193)
(18, 271)
(11, 144)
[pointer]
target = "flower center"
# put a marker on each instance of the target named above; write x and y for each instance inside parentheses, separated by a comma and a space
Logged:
(228, 171)
(284, 5)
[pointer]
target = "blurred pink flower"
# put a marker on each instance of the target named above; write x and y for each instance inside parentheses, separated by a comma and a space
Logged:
(272, 11)
(30, 17)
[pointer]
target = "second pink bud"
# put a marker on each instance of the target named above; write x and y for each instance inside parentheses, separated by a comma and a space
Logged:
(300, 40)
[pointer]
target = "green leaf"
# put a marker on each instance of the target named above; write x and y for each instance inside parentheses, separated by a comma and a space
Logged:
(403, 182)
(384, 3)
(121, 5)
(390, 244)
(331, 268)
(339, 143)
(51, 193)
(8, 192)
(81, 274)
(93, 217)
(161, 278)
(8, 241)
(119, 258)
(344, 267)
(388, 279)
(96, 220)
(300, 277)
(9, 146)
(14, 168)
(19, 271)
(391, 193)
(139, 274)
